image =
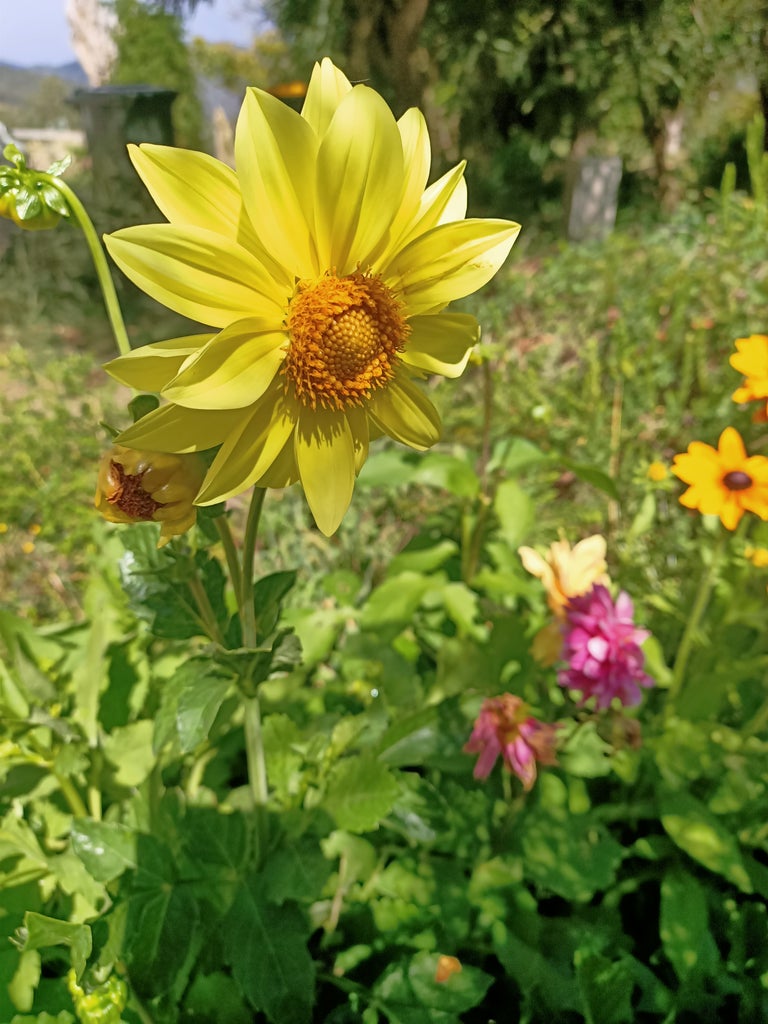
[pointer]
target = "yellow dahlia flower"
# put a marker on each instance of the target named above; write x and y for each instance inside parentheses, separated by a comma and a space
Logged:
(567, 572)
(136, 487)
(324, 265)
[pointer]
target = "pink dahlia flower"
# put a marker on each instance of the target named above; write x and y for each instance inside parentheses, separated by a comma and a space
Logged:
(602, 648)
(505, 729)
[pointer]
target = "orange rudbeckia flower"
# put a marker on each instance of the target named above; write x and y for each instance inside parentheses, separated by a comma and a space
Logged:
(751, 359)
(724, 481)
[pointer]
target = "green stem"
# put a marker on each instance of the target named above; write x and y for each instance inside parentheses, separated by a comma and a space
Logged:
(706, 583)
(85, 224)
(71, 795)
(247, 611)
(207, 614)
(230, 553)
(254, 750)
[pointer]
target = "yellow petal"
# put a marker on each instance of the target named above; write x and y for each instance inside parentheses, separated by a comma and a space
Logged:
(151, 367)
(173, 429)
(358, 423)
(403, 411)
(359, 180)
(275, 151)
(441, 343)
(191, 189)
(443, 202)
(250, 450)
(417, 157)
(450, 261)
(232, 371)
(325, 456)
(197, 273)
(283, 472)
(327, 87)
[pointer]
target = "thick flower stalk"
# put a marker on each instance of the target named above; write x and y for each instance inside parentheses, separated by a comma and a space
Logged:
(602, 649)
(567, 571)
(506, 729)
(135, 487)
(724, 481)
(751, 359)
(324, 266)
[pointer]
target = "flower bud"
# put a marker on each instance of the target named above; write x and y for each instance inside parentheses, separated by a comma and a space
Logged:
(30, 198)
(137, 486)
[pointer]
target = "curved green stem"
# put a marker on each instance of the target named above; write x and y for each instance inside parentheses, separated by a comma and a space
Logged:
(207, 614)
(247, 611)
(230, 553)
(706, 583)
(71, 795)
(101, 266)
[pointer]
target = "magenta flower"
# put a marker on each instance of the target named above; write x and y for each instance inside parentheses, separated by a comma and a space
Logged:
(602, 648)
(505, 729)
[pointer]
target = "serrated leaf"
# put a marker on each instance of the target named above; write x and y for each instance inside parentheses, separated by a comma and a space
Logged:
(162, 930)
(268, 595)
(515, 512)
(40, 932)
(266, 946)
(572, 856)
(360, 792)
(297, 871)
(198, 704)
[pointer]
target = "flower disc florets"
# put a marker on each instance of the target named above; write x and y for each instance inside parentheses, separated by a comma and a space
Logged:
(345, 336)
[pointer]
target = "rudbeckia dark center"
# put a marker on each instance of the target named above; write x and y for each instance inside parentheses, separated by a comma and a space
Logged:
(737, 480)
(129, 495)
(346, 333)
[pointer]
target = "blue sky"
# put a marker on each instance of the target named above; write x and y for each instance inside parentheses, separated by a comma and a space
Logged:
(35, 31)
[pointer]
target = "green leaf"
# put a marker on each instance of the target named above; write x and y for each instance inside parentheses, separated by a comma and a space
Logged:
(129, 750)
(606, 987)
(395, 601)
(592, 475)
(162, 934)
(704, 837)
(409, 993)
(39, 932)
(419, 559)
(297, 870)
(360, 792)
(437, 469)
(387, 468)
(266, 946)
(215, 839)
(106, 849)
(569, 854)
(190, 702)
(684, 926)
(279, 736)
(515, 512)
(268, 595)
(141, 405)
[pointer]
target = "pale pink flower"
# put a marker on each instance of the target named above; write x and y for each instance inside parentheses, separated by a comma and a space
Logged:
(602, 649)
(505, 729)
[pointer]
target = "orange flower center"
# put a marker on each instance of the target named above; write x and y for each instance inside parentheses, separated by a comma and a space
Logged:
(346, 333)
(737, 480)
(129, 496)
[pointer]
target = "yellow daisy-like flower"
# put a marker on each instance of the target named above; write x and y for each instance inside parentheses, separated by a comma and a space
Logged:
(657, 472)
(724, 481)
(567, 572)
(135, 487)
(751, 359)
(324, 264)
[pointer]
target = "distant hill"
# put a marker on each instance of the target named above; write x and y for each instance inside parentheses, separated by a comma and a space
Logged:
(36, 97)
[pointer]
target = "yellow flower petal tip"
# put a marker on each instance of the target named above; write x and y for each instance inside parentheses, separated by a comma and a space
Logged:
(723, 481)
(135, 487)
(751, 359)
(324, 263)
